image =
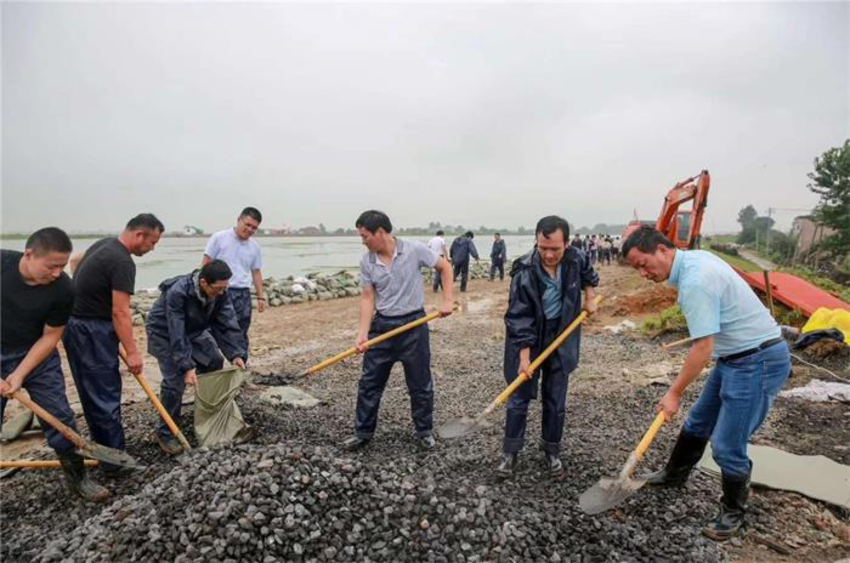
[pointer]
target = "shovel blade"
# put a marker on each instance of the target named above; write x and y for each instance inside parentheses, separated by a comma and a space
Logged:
(110, 455)
(461, 427)
(607, 493)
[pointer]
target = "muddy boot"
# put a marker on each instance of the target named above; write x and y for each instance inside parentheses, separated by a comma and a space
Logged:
(686, 454)
(426, 442)
(507, 465)
(168, 444)
(78, 480)
(733, 507)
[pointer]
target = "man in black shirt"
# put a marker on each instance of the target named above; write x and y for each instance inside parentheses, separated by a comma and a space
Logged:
(104, 280)
(37, 297)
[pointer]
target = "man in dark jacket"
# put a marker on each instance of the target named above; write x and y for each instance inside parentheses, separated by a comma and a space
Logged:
(545, 297)
(192, 319)
(498, 255)
(461, 249)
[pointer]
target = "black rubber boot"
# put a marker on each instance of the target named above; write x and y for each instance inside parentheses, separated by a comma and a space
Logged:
(507, 465)
(733, 508)
(686, 454)
(78, 480)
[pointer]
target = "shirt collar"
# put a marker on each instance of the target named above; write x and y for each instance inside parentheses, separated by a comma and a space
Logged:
(676, 268)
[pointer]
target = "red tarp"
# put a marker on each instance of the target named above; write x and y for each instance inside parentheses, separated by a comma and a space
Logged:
(794, 292)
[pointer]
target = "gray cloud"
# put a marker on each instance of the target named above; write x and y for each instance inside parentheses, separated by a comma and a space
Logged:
(471, 114)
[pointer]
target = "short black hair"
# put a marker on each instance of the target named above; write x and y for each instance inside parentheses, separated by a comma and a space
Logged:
(440, 233)
(373, 220)
(469, 234)
(147, 221)
(215, 271)
(253, 213)
(646, 239)
(497, 234)
(49, 239)
(552, 223)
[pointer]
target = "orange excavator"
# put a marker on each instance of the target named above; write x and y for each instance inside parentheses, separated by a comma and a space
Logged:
(682, 226)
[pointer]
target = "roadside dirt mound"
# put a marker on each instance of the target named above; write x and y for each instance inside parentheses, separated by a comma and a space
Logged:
(650, 300)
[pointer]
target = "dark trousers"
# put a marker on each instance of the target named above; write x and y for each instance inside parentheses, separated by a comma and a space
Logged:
(207, 358)
(555, 383)
(92, 347)
(46, 387)
(497, 265)
(461, 269)
(436, 280)
(241, 299)
(412, 349)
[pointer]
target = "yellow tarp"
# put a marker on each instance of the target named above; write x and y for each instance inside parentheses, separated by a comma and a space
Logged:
(830, 318)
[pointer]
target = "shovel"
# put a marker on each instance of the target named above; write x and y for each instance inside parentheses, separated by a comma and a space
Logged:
(377, 340)
(38, 464)
(84, 447)
(465, 425)
(158, 405)
(608, 492)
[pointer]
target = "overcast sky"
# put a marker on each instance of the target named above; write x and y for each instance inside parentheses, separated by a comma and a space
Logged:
(464, 113)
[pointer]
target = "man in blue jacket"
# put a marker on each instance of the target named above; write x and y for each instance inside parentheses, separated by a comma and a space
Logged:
(462, 248)
(545, 297)
(192, 319)
(498, 255)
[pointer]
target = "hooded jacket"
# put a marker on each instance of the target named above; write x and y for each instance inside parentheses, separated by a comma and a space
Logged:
(525, 319)
(180, 315)
(461, 248)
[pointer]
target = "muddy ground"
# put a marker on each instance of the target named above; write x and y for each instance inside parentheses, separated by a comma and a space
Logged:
(611, 402)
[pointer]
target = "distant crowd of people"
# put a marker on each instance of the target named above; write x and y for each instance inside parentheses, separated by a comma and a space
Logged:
(599, 248)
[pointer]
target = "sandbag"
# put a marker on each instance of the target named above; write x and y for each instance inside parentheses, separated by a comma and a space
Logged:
(218, 420)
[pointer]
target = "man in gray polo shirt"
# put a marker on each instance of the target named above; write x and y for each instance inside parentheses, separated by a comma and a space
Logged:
(393, 296)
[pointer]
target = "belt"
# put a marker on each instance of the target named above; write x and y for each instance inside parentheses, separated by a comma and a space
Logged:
(751, 351)
(396, 317)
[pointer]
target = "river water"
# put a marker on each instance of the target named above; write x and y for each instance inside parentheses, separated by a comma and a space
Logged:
(282, 256)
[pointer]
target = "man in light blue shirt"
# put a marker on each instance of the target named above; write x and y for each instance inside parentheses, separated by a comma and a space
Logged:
(727, 322)
(242, 254)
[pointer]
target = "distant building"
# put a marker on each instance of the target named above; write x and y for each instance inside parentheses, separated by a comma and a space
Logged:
(808, 234)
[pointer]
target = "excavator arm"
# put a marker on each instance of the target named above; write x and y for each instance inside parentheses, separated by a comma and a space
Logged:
(683, 226)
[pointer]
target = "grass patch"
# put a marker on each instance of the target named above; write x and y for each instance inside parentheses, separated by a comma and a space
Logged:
(669, 320)
(738, 262)
(723, 239)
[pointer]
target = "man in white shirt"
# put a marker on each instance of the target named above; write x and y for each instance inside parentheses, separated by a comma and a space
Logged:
(438, 247)
(236, 248)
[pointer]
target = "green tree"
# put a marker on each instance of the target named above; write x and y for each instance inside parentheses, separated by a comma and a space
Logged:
(747, 216)
(831, 181)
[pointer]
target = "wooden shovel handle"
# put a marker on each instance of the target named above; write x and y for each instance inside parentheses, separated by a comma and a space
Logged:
(162, 412)
(39, 464)
(650, 435)
(538, 361)
(377, 340)
(676, 344)
(157, 404)
(69, 434)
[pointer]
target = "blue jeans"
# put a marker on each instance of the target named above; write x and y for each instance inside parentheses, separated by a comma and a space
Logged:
(735, 401)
